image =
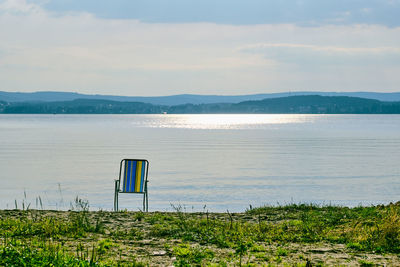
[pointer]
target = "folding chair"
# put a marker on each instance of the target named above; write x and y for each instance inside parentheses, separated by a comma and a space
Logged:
(134, 180)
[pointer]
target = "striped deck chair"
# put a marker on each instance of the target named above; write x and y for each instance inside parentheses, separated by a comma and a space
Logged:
(132, 179)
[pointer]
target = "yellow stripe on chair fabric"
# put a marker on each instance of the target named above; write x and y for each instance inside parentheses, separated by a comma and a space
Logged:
(138, 176)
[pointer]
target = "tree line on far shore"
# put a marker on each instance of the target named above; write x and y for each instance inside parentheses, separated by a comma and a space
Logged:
(305, 104)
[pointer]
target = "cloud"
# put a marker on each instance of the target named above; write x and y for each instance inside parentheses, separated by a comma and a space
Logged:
(304, 54)
(19, 7)
(40, 50)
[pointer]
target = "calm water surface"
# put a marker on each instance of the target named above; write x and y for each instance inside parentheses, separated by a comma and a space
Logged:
(221, 161)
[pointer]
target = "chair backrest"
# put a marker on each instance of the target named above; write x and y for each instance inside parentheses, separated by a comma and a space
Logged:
(134, 175)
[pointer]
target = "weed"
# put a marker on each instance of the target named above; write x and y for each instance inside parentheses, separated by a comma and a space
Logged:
(39, 201)
(281, 252)
(17, 254)
(278, 259)
(158, 218)
(127, 234)
(136, 263)
(355, 245)
(139, 216)
(257, 248)
(79, 217)
(103, 246)
(191, 256)
(365, 263)
(262, 256)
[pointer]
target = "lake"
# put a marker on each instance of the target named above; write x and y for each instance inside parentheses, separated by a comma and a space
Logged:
(213, 162)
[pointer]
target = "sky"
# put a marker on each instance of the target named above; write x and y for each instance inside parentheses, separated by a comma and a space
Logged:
(224, 47)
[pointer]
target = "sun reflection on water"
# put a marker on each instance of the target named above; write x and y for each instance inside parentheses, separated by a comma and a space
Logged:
(229, 121)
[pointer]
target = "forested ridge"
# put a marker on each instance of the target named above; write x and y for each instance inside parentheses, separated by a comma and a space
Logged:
(306, 104)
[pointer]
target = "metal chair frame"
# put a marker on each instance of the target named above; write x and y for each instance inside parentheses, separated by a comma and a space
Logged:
(119, 191)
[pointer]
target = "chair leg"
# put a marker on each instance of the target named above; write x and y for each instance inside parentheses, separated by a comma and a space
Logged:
(115, 201)
(144, 197)
(116, 196)
(147, 202)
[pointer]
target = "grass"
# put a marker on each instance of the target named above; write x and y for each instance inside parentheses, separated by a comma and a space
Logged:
(18, 254)
(291, 235)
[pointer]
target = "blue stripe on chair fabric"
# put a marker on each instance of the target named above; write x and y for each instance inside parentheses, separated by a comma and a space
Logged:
(126, 176)
(133, 176)
(142, 177)
(129, 175)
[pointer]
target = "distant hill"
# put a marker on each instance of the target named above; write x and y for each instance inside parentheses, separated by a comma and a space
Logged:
(316, 104)
(305, 104)
(181, 99)
(80, 106)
